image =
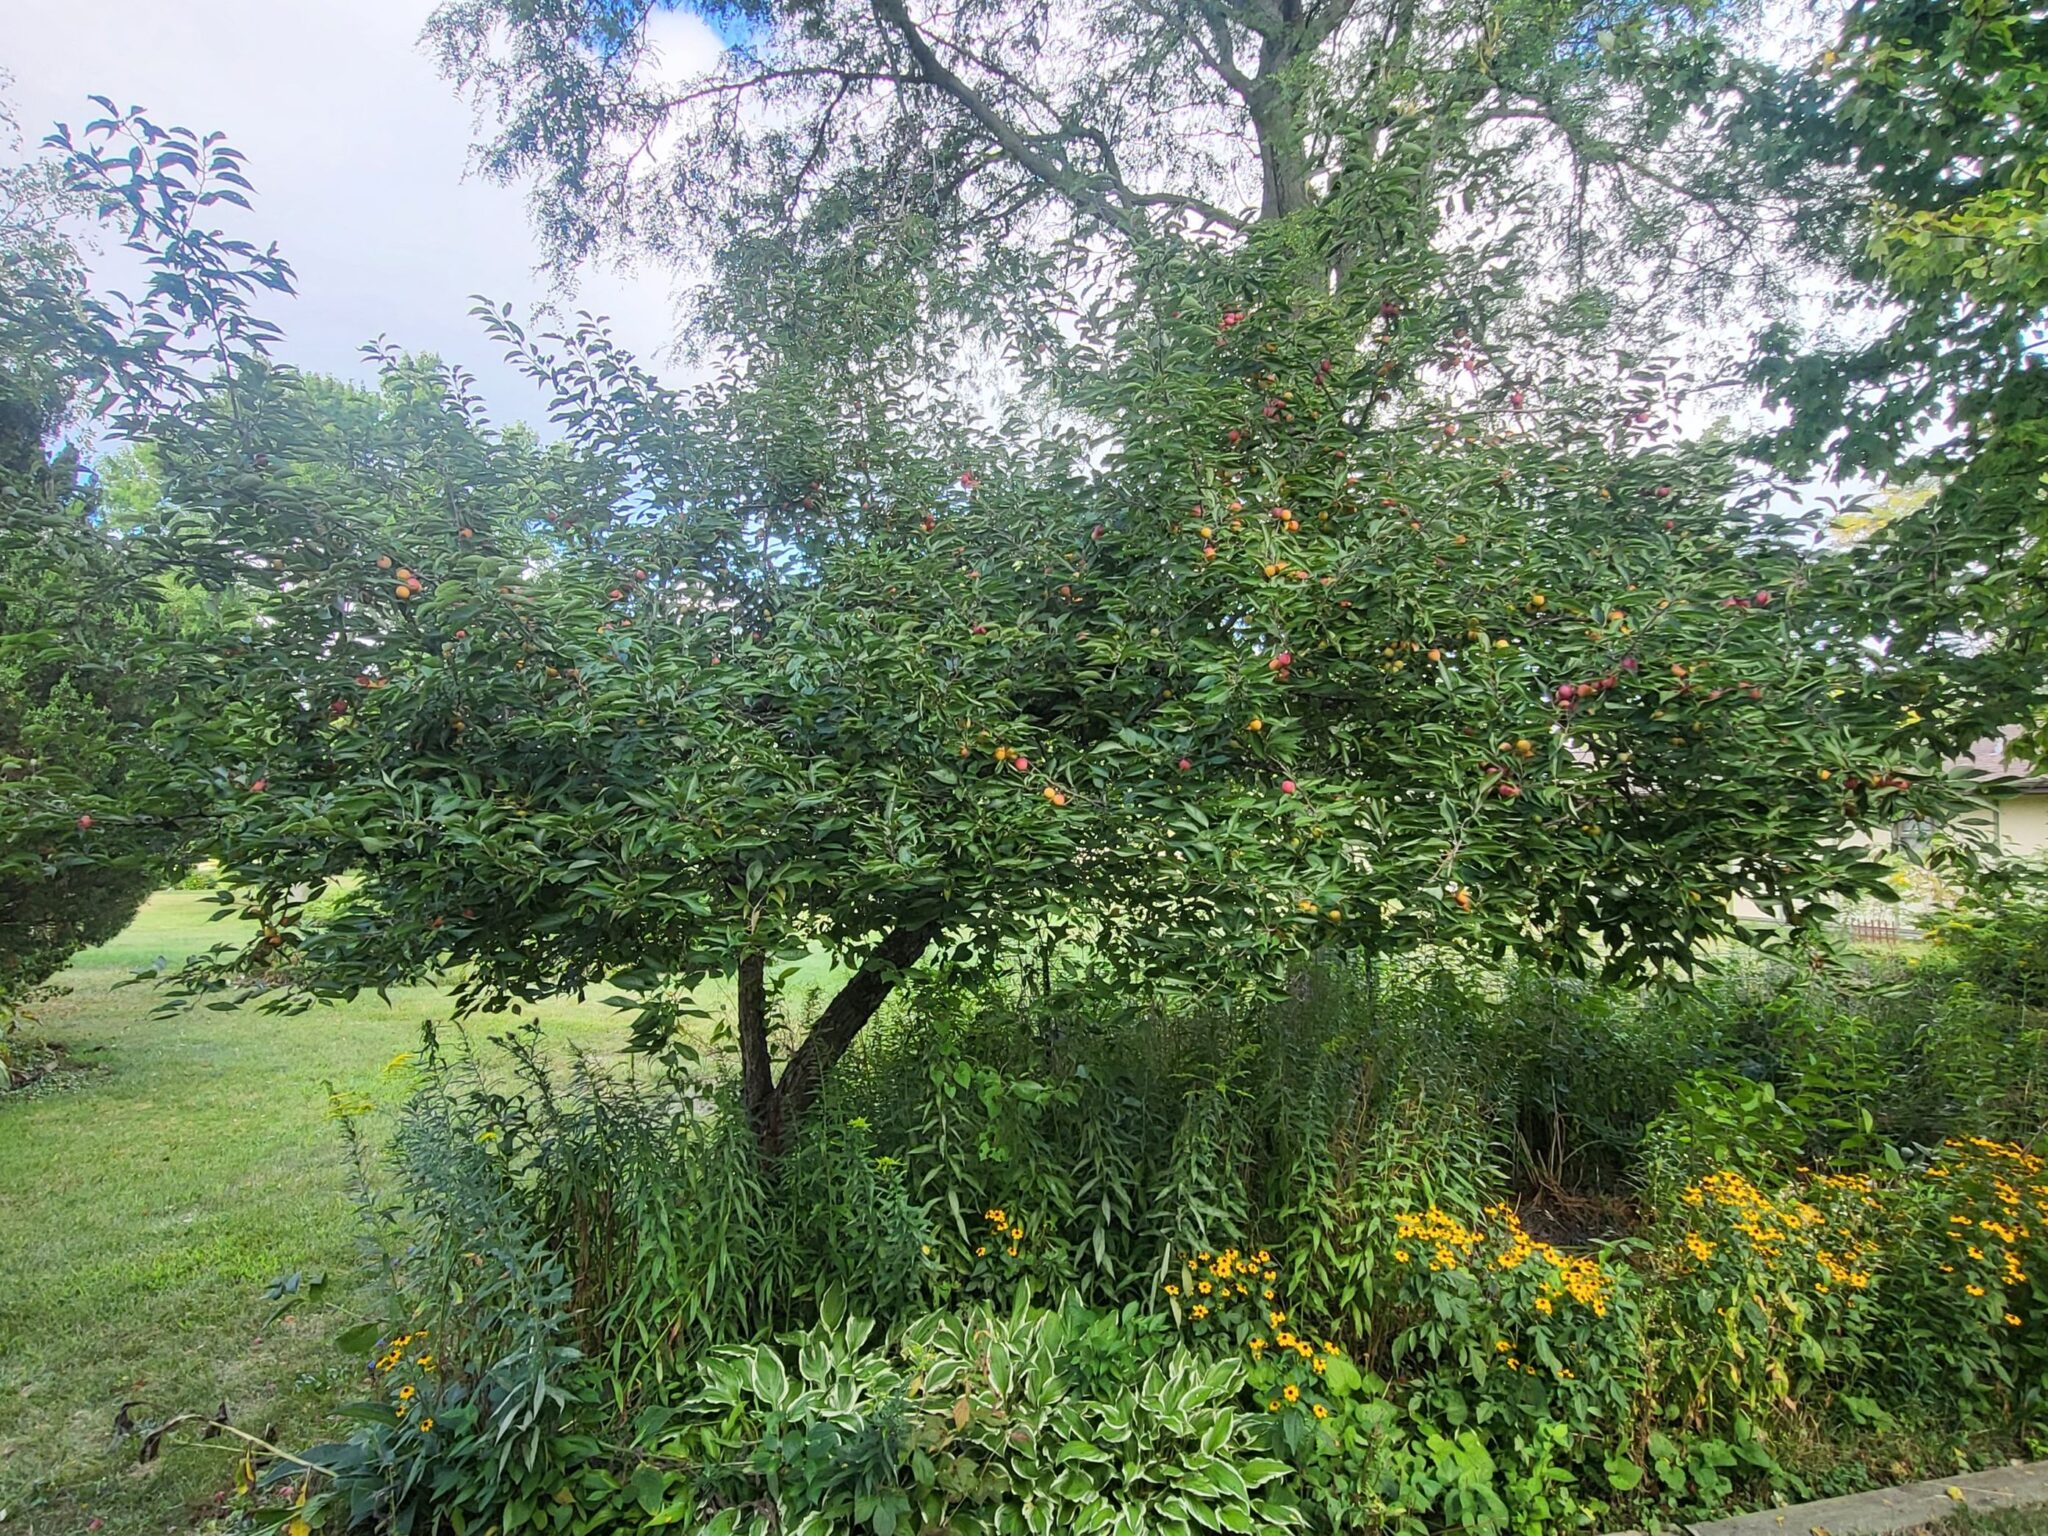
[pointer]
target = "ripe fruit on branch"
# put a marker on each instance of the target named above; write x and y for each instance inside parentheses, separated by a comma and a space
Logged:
(1185, 765)
(85, 823)
(1287, 786)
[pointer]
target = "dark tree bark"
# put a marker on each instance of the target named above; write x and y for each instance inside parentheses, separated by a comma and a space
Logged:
(757, 1072)
(1283, 156)
(844, 1017)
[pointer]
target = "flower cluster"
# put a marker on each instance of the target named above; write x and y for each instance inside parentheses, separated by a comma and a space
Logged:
(1810, 1237)
(1584, 1280)
(1508, 1248)
(406, 1364)
(1210, 1283)
(1002, 1230)
(1996, 1223)
(394, 1353)
(1449, 1241)
(1231, 1296)
(1765, 1223)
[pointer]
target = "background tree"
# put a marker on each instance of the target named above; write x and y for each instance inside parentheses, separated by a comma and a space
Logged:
(87, 630)
(1918, 149)
(70, 696)
(1510, 172)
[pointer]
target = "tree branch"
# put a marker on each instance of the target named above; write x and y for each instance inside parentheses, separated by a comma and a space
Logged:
(1021, 146)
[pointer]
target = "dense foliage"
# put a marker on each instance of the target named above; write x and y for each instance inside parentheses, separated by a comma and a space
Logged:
(1246, 660)
(1917, 152)
(1492, 1252)
(81, 678)
(83, 627)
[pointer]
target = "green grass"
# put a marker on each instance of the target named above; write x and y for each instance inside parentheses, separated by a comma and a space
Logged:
(145, 1205)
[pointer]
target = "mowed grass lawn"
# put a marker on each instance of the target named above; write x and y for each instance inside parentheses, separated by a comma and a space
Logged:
(145, 1206)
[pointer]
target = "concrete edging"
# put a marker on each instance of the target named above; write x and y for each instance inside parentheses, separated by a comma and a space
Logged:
(1889, 1511)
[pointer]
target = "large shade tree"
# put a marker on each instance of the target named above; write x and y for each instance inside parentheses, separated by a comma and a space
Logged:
(984, 135)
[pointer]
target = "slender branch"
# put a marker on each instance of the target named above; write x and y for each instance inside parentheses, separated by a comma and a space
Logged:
(1224, 60)
(1022, 146)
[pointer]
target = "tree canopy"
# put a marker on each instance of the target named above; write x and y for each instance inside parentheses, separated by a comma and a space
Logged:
(1219, 671)
(1318, 571)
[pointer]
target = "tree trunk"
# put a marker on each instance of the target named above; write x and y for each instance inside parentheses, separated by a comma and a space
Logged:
(757, 1072)
(844, 1017)
(1276, 121)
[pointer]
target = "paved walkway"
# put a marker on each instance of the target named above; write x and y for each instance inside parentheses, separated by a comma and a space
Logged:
(1890, 1510)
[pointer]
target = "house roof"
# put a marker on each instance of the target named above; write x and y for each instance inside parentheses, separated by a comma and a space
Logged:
(1989, 756)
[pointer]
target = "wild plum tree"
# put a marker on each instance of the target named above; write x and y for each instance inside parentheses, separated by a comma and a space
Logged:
(1281, 599)
(1223, 675)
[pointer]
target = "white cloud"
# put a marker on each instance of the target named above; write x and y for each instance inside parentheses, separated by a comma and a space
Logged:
(359, 152)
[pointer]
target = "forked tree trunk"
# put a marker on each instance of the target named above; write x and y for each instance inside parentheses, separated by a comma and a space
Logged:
(773, 1107)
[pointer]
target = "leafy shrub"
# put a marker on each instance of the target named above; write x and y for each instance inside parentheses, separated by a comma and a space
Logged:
(1997, 934)
(1967, 1312)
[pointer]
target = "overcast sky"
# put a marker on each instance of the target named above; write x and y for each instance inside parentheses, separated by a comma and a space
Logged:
(359, 152)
